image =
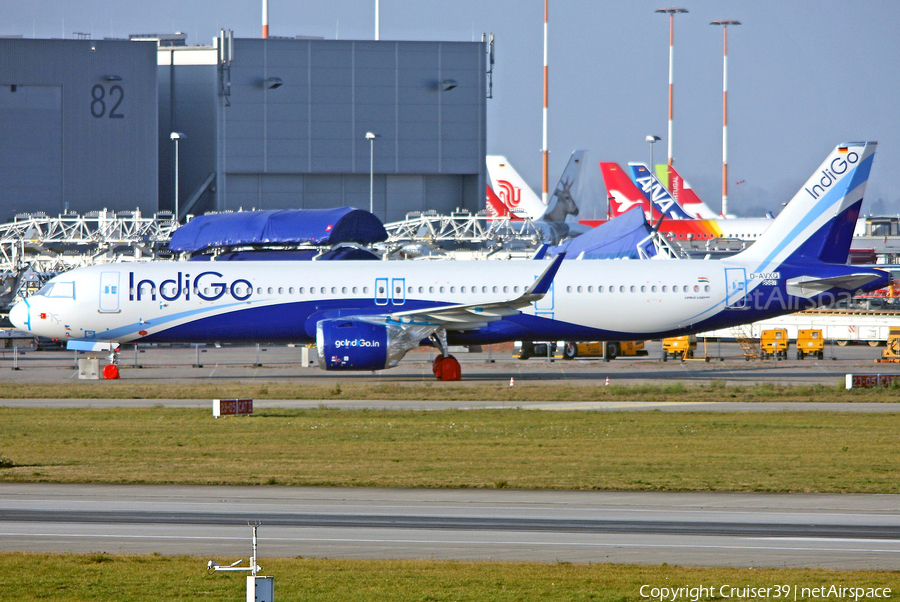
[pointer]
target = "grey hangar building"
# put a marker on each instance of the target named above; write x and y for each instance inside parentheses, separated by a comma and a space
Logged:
(263, 124)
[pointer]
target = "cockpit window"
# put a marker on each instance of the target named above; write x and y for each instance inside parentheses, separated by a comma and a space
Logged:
(65, 290)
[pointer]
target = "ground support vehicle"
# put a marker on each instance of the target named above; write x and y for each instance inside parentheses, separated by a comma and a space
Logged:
(810, 342)
(774, 343)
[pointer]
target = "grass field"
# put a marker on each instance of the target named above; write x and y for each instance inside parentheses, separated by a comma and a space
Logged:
(100, 576)
(433, 390)
(791, 452)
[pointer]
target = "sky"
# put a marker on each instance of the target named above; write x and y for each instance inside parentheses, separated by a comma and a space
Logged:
(802, 76)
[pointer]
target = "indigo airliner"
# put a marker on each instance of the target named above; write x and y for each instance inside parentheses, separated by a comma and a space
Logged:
(365, 315)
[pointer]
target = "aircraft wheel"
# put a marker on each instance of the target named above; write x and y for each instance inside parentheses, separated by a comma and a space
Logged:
(111, 372)
(570, 351)
(436, 365)
(449, 369)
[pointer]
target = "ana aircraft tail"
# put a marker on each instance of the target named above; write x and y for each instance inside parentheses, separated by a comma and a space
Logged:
(685, 196)
(818, 223)
(512, 190)
(622, 193)
(655, 192)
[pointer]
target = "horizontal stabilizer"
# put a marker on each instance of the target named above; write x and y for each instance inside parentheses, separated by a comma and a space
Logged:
(809, 286)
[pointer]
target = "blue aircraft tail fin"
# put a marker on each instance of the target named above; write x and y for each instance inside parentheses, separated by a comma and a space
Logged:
(818, 223)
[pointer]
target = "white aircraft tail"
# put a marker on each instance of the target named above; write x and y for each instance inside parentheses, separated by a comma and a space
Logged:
(818, 223)
(512, 190)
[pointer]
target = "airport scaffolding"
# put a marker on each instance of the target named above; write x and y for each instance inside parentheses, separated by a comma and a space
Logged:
(465, 235)
(430, 234)
(35, 247)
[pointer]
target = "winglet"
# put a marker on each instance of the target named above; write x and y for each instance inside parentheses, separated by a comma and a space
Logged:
(542, 283)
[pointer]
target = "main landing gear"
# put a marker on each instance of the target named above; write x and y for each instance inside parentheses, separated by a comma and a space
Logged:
(111, 370)
(444, 366)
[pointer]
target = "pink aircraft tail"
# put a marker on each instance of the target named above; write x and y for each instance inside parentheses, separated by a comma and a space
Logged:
(622, 193)
(685, 196)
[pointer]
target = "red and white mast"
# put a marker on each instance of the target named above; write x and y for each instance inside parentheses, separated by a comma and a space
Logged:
(725, 25)
(545, 197)
(265, 19)
(671, 12)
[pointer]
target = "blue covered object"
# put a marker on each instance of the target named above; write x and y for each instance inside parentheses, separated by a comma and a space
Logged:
(283, 226)
(619, 238)
(338, 254)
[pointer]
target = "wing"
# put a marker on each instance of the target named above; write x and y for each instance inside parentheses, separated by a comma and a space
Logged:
(477, 315)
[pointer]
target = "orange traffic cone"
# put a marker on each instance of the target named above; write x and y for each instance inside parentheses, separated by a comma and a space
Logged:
(512, 381)
(607, 381)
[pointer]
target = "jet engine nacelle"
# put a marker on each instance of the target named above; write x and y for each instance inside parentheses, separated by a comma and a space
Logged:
(352, 345)
(366, 343)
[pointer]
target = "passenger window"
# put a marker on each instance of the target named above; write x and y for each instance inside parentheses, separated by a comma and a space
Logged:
(442, 289)
(590, 289)
(409, 289)
(270, 290)
(494, 289)
(664, 289)
(706, 288)
(516, 289)
(381, 290)
(643, 289)
(578, 289)
(505, 289)
(452, 289)
(621, 289)
(696, 288)
(421, 289)
(322, 290)
(344, 290)
(258, 290)
(599, 289)
(280, 290)
(333, 290)
(430, 289)
(632, 288)
(291, 290)
(685, 288)
(653, 289)
(483, 289)
(365, 290)
(568, 289)
(300, 290)
(462, 289)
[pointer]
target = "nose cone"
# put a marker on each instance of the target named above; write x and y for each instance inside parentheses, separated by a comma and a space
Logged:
(18, 315)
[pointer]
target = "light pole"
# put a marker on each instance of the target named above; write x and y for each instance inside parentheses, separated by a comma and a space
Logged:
(725, 25)
(671, 12)
(371, 136)
(652, 140)
(176, 136)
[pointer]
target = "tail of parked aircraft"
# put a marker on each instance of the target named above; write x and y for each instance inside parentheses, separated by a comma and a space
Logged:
(685, 196)
(496, 207)
(512, 190)
(818, 223)
(655, 192)
(562, 202)
(622, 193)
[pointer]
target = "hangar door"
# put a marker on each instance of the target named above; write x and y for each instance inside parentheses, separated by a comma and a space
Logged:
(30, 149)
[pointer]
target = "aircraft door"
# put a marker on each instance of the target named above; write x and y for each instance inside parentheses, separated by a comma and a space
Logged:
(735, 288)
(545, 307)
(109, 292)
(381, 291)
